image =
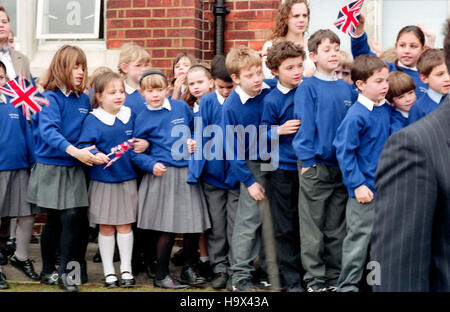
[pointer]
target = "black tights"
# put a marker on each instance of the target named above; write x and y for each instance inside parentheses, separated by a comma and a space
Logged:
(63, 227)
(164, 250)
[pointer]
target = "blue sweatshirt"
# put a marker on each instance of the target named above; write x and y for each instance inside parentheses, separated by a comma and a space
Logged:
(166, 129)
(278, 107)
(58, 125)
(215, 171)
(134, 100)
(361, 46)
(321, 106)
(238, 114)
(359, 141)
(425, 105)
(105, 136)
(398, 120)
(16, 140)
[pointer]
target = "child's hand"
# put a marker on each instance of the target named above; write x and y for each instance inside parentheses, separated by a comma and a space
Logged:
(429, 33)
(140, 146)
(305, 169)
(289, 127)
(159, 169)
(376, 46)
(177, 86)
(84, 155)
(360, 28)
(363, 194)
(192, 145)
(256, 191)
(103, 159)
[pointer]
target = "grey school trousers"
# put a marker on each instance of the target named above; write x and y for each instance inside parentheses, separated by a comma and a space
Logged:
(356, 243)
(322, 201)
(222, 206)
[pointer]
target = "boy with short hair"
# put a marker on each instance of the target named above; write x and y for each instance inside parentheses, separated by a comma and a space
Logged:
(285, 60)
(243, 109)
(359, 141)
(321, 103)
(433, 72)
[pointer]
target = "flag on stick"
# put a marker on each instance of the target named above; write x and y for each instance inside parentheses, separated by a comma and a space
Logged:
(119, 150)
(348, 18)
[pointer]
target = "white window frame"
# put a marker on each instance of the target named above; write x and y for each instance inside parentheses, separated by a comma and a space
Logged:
(40, 24)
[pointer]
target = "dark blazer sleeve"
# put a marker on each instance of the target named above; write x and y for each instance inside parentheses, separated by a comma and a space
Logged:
(407, 191)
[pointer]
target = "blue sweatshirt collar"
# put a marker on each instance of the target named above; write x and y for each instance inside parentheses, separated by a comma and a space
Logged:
(245, 97)
(166, 105)
(435, 96)
(369, 104)
(123, 115)
(220, 98)
(282, 88)
(325, 77)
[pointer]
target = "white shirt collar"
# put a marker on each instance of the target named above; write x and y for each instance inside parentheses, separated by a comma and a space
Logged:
(404, 66)
(435, 96)
(220, 98)
(67, 93)
(166, 105)
(128, 88)
(123, 115)
(369, 104)
(282, 88)
(245, 97)
(196, 107)
(404, 114)
(321, 76)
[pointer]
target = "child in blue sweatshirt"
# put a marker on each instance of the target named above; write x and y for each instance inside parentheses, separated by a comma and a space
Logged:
(112, 190)
(57, 181)
(321, 103)
(285, 60)
(212, 171)
(242, 111)
(359, 141)
(16, 159)
(410, 44)
(433, 72)
(401, 96)
(168, 204)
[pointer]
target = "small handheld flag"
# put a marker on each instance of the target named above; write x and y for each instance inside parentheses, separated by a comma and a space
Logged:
(119, 150)
(348, 18)
(24, 93)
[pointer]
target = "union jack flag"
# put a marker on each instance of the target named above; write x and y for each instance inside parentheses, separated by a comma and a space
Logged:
(348, 18)
(24, 93)
(119, 150)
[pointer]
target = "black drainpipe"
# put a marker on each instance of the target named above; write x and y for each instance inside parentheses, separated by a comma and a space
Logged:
(220, 11)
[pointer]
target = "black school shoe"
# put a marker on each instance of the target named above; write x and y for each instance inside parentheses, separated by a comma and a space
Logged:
(204, 270)
(114, 284)
(169, 283)
(25, 266)
(3, 283)
(49, 279)
(127, 282)
(190, 277)
(220, 280)
(66, 284)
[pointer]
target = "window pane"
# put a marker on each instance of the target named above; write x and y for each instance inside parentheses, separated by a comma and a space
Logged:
(11, 8)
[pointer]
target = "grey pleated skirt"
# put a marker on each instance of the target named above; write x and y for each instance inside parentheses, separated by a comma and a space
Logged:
(57, 187)
(113, 203)
(13, 194)
(169, 204)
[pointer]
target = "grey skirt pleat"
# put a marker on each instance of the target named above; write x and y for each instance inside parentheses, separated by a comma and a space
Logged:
(13, 194)
(169, 204)
(113, 203)
(57, 187)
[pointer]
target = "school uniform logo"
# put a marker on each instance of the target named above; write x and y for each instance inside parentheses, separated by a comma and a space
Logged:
(348, 103)
(14, 116)
(83, 110)
(177, 121)
(128, 132)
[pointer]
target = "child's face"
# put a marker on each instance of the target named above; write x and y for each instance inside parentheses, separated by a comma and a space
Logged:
(182, 67)
(113, 97)
(2, 77)
(405, 101)
(298, 19)
(344, 73)
(376, 86)
(250, 80)
(438, 79)
(223, 87)
(198, 83)
(327, 57)
(135, 70)
(155, 96)
(77, 75)
(409, 49)
(290, 72)
(4, 26)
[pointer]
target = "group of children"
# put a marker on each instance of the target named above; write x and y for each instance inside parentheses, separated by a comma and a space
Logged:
(199, 162)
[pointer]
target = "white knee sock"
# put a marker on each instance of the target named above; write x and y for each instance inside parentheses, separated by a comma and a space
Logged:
(125, 243)
(106, 245)
(23, 235)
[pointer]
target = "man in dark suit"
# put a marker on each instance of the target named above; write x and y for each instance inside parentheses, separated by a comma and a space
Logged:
(411, 234)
